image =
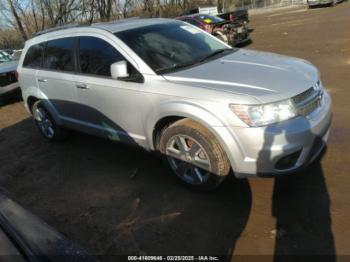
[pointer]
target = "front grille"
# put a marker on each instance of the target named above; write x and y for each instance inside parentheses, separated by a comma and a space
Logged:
(7, 78)
(310, 107)
(307, 101)
(303, 96)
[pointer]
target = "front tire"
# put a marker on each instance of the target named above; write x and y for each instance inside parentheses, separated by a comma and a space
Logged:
(194, 155)
(46, 124)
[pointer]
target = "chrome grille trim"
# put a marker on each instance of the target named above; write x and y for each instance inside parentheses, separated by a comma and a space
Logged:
(310, 107)
(307, 101)
(303, 96)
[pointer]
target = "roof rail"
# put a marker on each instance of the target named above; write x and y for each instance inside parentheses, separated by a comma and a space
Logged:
(117, 21)
(58, 28)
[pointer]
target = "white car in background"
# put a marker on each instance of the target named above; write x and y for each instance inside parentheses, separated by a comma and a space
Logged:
(16, 55)
(313, 3)
(8, 79)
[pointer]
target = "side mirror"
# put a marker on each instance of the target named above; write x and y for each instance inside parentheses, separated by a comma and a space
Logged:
(119, 70)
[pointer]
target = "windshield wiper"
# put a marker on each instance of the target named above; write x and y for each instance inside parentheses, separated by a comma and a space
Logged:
(175, 66)
(182, 65)
(216, 52)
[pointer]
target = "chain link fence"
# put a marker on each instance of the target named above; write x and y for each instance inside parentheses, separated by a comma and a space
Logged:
(262, 4)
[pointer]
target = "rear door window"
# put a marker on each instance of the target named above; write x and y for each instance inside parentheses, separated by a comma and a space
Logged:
(33, 58)
(59, 54)
(96, 56)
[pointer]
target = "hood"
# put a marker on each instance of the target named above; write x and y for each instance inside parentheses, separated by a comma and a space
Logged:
(266, 76)
(8, 67)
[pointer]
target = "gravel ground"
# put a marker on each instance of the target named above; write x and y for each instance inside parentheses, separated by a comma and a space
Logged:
(113, 200)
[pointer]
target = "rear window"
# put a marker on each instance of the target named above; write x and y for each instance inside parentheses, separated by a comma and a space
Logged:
(33, 57)
(59, 54)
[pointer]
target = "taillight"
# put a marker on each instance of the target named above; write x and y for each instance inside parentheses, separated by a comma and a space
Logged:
(232, 18)
(16, 74)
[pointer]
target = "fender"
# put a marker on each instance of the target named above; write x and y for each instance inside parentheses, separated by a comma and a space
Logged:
(31, 89)
(201, 115)
(38, 94)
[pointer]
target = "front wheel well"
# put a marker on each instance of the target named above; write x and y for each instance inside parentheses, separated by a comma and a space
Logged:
(160, 126)
(30, 102)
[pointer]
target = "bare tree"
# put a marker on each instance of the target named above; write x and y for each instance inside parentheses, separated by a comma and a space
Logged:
(33, 7)
(30, 16)
(126, 6)
(105, 9)
(18, 20)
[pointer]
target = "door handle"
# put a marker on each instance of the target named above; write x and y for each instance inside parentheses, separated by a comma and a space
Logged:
(43, 80)
(81, 86)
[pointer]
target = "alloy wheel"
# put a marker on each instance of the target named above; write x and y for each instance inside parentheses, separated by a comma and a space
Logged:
(44, 123)
(188, 159)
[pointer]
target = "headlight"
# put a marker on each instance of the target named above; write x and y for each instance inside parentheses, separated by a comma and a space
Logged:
(261, 115)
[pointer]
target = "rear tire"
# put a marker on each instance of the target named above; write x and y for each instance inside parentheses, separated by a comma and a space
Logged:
(46, 124)
(194, 155)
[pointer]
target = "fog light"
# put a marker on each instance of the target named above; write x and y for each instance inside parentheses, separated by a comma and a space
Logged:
(288, 161)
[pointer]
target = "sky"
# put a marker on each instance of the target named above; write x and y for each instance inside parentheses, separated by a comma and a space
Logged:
(3, 22)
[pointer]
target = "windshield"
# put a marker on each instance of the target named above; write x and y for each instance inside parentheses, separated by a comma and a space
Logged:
(170, 46)
(4, 57)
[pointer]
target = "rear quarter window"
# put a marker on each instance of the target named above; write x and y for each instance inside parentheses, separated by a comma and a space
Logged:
(59, 54)
(33, 58)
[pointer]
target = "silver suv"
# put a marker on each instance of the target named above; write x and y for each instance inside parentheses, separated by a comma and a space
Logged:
(167, 86)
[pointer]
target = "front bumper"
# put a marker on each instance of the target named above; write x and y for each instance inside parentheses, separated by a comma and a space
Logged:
(8, 88)
(262, 149)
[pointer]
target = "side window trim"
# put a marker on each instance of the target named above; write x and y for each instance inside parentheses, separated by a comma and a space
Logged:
(43, 55)
(39, 67)
(76, 55)
(77, 58)
(73, 71)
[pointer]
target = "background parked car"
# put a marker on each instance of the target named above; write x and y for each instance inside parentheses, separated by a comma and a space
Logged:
(233, 16)
(8, 79)
(16, 55)
(312, 3)
(4, 56)
(232, 33)
(236, 16)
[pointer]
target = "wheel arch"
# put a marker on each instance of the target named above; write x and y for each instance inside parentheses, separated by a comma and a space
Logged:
(200, 115)
(31, 100)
